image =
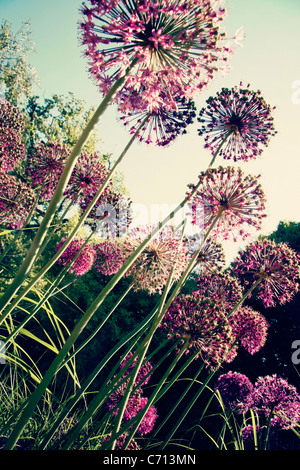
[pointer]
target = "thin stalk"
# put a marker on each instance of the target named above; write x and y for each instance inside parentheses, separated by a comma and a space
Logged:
(187, 409)
(167, 417)
(58, 194)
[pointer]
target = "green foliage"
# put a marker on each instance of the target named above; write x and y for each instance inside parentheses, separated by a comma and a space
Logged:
(17, 76)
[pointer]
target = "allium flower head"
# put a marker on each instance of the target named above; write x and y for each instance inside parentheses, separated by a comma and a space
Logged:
(176, 44)
(203, 323)
(250, 328)
(276, 264)
(45, 166)
(87, 177)
(16, 200)
(242, 112)
(12, 147)
(221, 287)
(275, 398)
(164, 123)
(210, 257)
(83, 262)
(163, 253)
(132, 445)
(110, 256)
(235, 197)
(235, 389)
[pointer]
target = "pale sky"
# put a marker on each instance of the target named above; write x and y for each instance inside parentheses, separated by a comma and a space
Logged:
(269, 60)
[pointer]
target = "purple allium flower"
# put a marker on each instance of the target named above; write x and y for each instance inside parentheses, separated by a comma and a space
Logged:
(16, 200)
(83, 262)
(176, 44)
(45, 166)
(249, 328)
(12, 147)
(164, 123)
(242, 112)
(221, 287)
(203, 323)
(111, 216)
(87, 177)
(163, 253)
(276, 264)
(110, 256)
(236, 198)
(149, 420)
(277, 400)
(210, 257)
(143, 376)
(132, 445)
(235, 390)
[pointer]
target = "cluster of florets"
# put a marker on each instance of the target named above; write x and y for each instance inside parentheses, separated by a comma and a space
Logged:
(171, 45)
(110, 256)
(202, 324)
(16, 200)
(271, 397)
(12, 147)
(276, 265)
(163, 254)
(79, 254)
(136, 402)
(211, 255)
(249, 329)
(220, 287)
(87, 177)
(240, 120)
(234, 389)
(45, 165)
(234, 198)
(163, 124)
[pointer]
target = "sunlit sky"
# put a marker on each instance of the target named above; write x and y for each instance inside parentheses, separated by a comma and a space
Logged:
(269, 60)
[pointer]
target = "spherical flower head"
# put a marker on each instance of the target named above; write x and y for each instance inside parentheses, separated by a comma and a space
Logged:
(16, 200)
(110, 256)
(174, 45)
(211, 256)
(250, 328)
(164, 123)
(143, 375)
(87, 177)
(12, 147)
(235, 198)
(203, 324)
(111, 216)
(45, 166)
(242, 117)
(83, 262)
(163, 253)
(149, 420)
(275, 264)
(220, 286)
(277, 400)
(235, 389)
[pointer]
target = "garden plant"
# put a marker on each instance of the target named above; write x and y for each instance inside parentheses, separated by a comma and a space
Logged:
(69, 383)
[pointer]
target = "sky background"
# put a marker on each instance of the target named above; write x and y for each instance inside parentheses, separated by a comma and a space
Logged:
(269, 60)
